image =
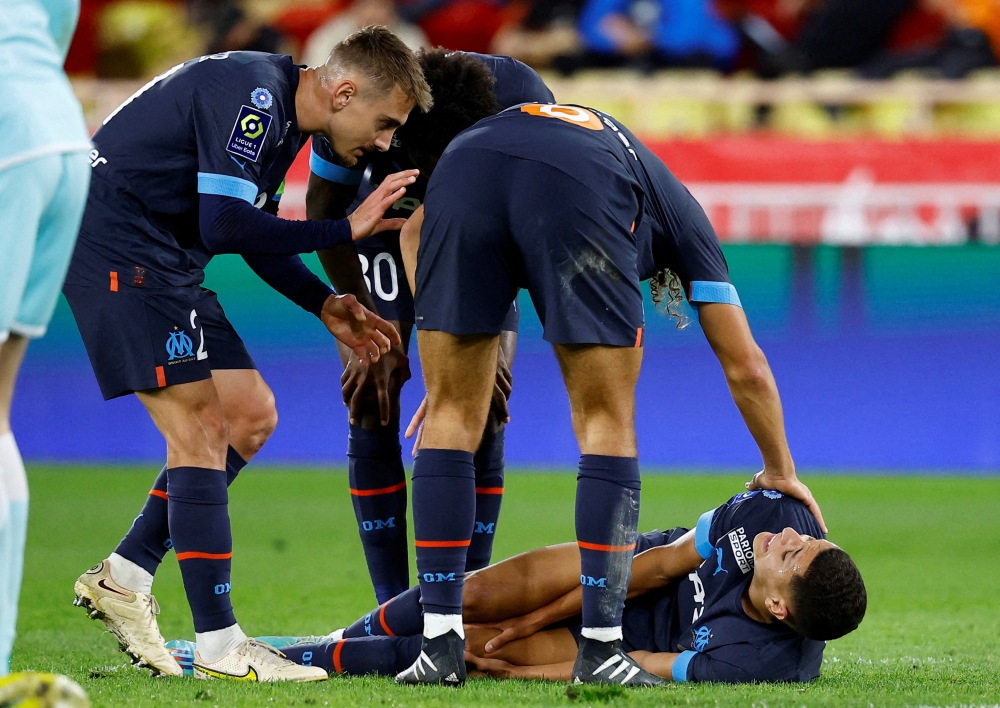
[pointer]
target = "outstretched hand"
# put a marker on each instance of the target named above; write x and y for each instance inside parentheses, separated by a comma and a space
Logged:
(367, 334)
(367, 219)
(790, 485)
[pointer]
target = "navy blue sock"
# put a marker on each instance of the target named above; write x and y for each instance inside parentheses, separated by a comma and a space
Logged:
(401, 616)
(607, 519)
(489, 496)
(378, 490)
(198, 514)
(380, 656)
(148, 540)
(444, 513)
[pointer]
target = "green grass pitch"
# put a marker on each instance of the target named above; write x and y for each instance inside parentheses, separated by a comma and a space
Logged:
(928, 547)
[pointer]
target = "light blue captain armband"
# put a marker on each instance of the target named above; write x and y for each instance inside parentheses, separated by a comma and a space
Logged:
(679, 671)
(333, 173)
(701, 542)
(226, 186)
(712, 291)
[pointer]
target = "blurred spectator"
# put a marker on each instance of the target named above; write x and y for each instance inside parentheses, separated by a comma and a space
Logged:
(139, 38)
(467, 25)
(972, 41)
(649, 34)
(360, 14)
(547, 30)
(834, 34)
(230, 28)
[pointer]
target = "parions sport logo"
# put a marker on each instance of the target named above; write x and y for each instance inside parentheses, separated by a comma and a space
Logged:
(742, 549)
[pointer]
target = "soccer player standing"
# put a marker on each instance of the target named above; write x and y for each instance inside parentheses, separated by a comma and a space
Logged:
(191, 166)
(371, 391)
(44, 174)
(550, 198)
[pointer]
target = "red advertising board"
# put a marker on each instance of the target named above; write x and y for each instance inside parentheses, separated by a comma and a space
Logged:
(772, 189)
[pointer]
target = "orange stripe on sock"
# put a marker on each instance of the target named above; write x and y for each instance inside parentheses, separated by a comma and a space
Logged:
(161, 377)
(442, 544)
(489, 490)
(336, 657)
(638, 337)
(207, 556)
(601, 547)
(114, 281)
(376, 492)
(381, 620)
(157, 493)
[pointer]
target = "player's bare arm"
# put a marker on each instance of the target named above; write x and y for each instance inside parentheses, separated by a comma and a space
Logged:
(755, 393)
(330, 200)
(555, 593)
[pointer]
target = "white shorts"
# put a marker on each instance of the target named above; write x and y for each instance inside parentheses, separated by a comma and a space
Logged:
(40, 213)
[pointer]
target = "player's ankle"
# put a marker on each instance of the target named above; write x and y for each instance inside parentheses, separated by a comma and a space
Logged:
(216, 644)
(602, 634)
(435, 625)
(130, 575)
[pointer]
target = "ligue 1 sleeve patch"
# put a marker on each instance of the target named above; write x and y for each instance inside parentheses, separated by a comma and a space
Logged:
(249, 133)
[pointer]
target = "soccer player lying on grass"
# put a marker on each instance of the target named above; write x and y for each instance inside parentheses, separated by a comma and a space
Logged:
(750, 594)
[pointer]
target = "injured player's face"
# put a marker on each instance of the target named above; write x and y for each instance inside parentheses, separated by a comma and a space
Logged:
(365, 121)
(779, 557)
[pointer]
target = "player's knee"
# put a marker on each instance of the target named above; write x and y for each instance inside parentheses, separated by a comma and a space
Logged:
(255, 423)
(211, 421)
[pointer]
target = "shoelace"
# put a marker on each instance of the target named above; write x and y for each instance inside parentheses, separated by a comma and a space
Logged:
(264, 652)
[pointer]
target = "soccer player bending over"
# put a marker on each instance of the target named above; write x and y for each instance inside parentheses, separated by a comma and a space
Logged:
(191, 166)
(567, 203)
(750, 594)
(374, 274)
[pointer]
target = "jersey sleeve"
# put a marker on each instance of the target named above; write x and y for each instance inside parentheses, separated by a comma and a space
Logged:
(324, 164)
(776, 660)
(233, 134)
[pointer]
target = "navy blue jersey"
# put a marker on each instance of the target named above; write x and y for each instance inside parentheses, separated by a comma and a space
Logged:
(702, 616)
(671, 229)
(516, 83)
(223, 124)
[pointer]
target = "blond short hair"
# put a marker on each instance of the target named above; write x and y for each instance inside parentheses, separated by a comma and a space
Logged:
(384, 60)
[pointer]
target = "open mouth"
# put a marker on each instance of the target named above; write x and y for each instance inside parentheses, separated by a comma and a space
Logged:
(767, 543)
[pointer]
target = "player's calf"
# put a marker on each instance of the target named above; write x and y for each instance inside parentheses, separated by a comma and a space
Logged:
(378, 491)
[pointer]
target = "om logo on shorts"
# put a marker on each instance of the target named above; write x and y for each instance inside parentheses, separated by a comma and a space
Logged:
(179, 345)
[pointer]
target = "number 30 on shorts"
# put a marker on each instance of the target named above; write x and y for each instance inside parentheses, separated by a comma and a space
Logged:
(383, 272)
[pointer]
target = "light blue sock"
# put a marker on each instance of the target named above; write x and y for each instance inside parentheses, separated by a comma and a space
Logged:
(13, 535)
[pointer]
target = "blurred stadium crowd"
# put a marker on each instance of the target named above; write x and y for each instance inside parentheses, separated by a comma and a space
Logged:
(770, 38)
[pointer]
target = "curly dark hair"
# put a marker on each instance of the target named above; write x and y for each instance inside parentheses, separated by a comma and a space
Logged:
(668, 296)
(829, 600)
(464, 93)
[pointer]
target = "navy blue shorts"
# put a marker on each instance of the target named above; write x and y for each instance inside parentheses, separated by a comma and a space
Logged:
(382, 265)
(495, 223)
(144, 339)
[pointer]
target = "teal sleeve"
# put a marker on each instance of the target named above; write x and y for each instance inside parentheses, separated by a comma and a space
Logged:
(679, 672)
(702, 543)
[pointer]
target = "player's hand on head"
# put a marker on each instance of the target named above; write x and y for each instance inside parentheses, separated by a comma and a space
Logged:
(790, 485)
(367, 334)
(367, 219)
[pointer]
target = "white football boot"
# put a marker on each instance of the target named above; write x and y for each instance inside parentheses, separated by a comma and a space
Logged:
(130, 616)
(253, 660)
